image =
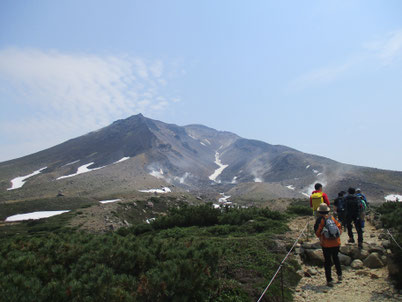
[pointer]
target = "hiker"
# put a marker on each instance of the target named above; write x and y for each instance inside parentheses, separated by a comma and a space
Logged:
(353, 210)
(364, 207)
(329, 231)
(318, 197)
(339, 204)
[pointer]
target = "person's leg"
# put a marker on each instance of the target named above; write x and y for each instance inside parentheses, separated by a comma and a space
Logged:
(359, 231)
(327, 263)
(350, 232)
(335, 258)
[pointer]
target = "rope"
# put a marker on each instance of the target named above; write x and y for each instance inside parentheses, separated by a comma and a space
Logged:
(283, 261)
(388, 232)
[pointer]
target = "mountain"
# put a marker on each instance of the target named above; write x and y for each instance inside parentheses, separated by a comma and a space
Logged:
(141, 153)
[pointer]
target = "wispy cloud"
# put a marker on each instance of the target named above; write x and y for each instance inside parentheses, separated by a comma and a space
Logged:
(68, 94)
(382, 51)
(389, 48)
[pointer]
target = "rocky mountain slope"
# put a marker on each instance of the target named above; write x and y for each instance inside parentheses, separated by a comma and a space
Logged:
(137, 153)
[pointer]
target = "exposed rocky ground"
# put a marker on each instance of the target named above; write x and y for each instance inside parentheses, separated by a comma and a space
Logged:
(365, 272)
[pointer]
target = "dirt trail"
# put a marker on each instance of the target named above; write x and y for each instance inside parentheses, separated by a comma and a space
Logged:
(362, 285)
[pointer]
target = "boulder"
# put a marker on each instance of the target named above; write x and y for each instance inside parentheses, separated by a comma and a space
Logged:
(373, 261)
(344, 260)
(314, 257)
(312, 271)
(357, 264)
(382, 236)
(386, 244)
(359, 254)
(309, 245)
(376, 249)
(346, 249)
(384, 259)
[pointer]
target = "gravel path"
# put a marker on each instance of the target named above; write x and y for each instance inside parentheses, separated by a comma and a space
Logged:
(361, 285)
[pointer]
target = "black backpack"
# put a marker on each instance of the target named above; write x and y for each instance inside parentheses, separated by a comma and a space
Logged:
(352, 205)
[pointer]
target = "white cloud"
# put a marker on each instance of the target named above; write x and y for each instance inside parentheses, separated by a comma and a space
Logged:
(389, 48)
(381, 51)
(68, 94)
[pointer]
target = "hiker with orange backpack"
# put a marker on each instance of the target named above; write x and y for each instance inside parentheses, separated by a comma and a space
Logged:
(318, 197)
(328, 229)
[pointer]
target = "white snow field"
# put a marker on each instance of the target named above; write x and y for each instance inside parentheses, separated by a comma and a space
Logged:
(81, 170)
(224, 198)
(19, 181)
(109, 201)
(393, 197)
(220, 169)
(161, 191)
(120, 160)
(34, 215)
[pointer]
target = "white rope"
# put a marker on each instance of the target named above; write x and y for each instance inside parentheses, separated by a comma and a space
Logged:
(389, 233)
(283, 261)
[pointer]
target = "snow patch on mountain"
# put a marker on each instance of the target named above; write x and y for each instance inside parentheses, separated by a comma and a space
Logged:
(308, 166)
(257, 179)
(202, 144)
(290, 187)
(121, 160)
(224, 198)
(19, 181)
(81, 170)
(234, 180)
(161, 191)
(393, 197)
(219, 170)
(34, 215)
(109, 201)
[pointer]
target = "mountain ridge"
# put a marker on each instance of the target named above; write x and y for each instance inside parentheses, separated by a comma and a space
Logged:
(141, 152)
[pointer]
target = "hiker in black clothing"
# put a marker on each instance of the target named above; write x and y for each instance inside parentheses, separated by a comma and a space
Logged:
(353, 210)
(339, 204)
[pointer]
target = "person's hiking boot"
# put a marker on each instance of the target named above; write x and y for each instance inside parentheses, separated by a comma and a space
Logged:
(340, 278)
(330, 284)
(351, 240)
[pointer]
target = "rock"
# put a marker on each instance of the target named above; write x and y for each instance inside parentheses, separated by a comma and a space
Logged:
(344, 260)
(372, 235)
(346, 249)
(314, 257)
(357, 264)
(384, 259)
(386, 244)
(376, 249)
(359, 254)
(374, 276)
(382, 236)
(307, 274)
(309, 245)
(134, 204)
(312, 271)
(362, 273)
(150, 204)
(373, 261)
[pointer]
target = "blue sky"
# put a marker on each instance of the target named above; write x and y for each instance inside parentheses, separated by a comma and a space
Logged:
(324, 77)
